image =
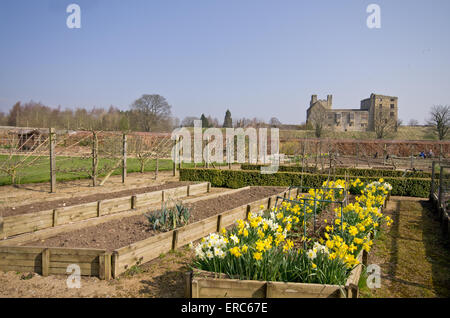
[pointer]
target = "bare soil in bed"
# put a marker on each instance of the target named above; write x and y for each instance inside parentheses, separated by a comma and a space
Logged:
(49, 205)
(119, 233)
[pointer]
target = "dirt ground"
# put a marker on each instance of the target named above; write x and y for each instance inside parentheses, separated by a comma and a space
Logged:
(121, 232)
(27, 194)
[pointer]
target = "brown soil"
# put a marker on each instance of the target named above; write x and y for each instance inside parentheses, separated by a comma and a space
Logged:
(118, 233)
(49, 205)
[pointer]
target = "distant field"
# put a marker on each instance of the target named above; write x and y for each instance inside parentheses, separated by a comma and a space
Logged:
(39, 170)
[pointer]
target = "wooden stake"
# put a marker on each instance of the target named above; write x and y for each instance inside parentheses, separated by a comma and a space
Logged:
(52, 139)
(124, 157)
(45, 262)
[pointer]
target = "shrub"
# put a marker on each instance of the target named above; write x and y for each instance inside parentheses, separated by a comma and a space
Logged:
(412, 187)
(357, 172)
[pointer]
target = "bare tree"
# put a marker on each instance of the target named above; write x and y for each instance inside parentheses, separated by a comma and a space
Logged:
(384, 124)
(189, 121)
(440, 120)
(317, 120)
(151, 111)
(413, 122)
(274, 122)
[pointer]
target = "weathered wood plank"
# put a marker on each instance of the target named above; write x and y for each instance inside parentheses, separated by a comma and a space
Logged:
(20, 262)
(195, 189)
(228, 288)
(301, 290)
(20, 256)
(73, 257)
(84, 270)
(21, 249)
(145, 199)
(194, 231)
(29, 216)
(76, 251)
(18, 268)
(144, 243)
(115, 205)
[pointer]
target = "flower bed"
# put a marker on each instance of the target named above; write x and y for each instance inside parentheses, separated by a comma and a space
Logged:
(264, 249)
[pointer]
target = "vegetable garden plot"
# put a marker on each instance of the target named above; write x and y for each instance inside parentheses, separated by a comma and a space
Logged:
(19, 224)
(147, 249)
(262, 250)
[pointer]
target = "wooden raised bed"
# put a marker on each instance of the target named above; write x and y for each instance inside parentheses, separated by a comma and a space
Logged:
(47, 261)
(148, 249)
(97, 262)
(201, 284)
(30, 222)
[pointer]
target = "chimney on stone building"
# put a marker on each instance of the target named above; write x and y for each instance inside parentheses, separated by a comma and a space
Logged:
(329, 100)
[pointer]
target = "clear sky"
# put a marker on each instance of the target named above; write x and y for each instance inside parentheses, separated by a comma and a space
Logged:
(258, 58)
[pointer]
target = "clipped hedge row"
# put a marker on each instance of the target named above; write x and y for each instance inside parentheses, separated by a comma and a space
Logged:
(247, 166)
(350, 171)
(411, 187)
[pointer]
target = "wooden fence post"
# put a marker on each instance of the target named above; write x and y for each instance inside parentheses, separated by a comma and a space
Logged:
(45, 262)
(55, 217)
(133, 202)
(248, 210)
(207, 153)
(124, 157)
(99, 208)
(180, 150)
(175, 154)
(187, 289)
(104, 269)
(175, 240)
(94, 158)
(1, 226)
(52, 141)
(219, 222)
(156, 168)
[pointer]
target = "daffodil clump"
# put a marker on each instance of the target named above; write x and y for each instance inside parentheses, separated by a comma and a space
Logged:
(361, 219)
(261, 248)
(356, 186)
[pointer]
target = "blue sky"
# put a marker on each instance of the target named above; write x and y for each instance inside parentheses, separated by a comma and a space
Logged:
(256, 57)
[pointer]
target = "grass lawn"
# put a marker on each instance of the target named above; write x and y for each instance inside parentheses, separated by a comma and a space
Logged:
(413, 256)
(67, 168)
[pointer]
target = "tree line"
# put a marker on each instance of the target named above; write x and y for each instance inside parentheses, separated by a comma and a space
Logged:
(148, 113)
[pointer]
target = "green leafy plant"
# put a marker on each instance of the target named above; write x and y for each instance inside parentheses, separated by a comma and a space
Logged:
(169, 217)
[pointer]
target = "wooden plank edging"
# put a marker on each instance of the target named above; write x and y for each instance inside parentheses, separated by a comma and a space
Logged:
(194, 232)
(25, 223)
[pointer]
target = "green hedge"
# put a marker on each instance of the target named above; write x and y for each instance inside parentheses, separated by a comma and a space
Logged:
(248, 166)
(350, 171)
(412, 187)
